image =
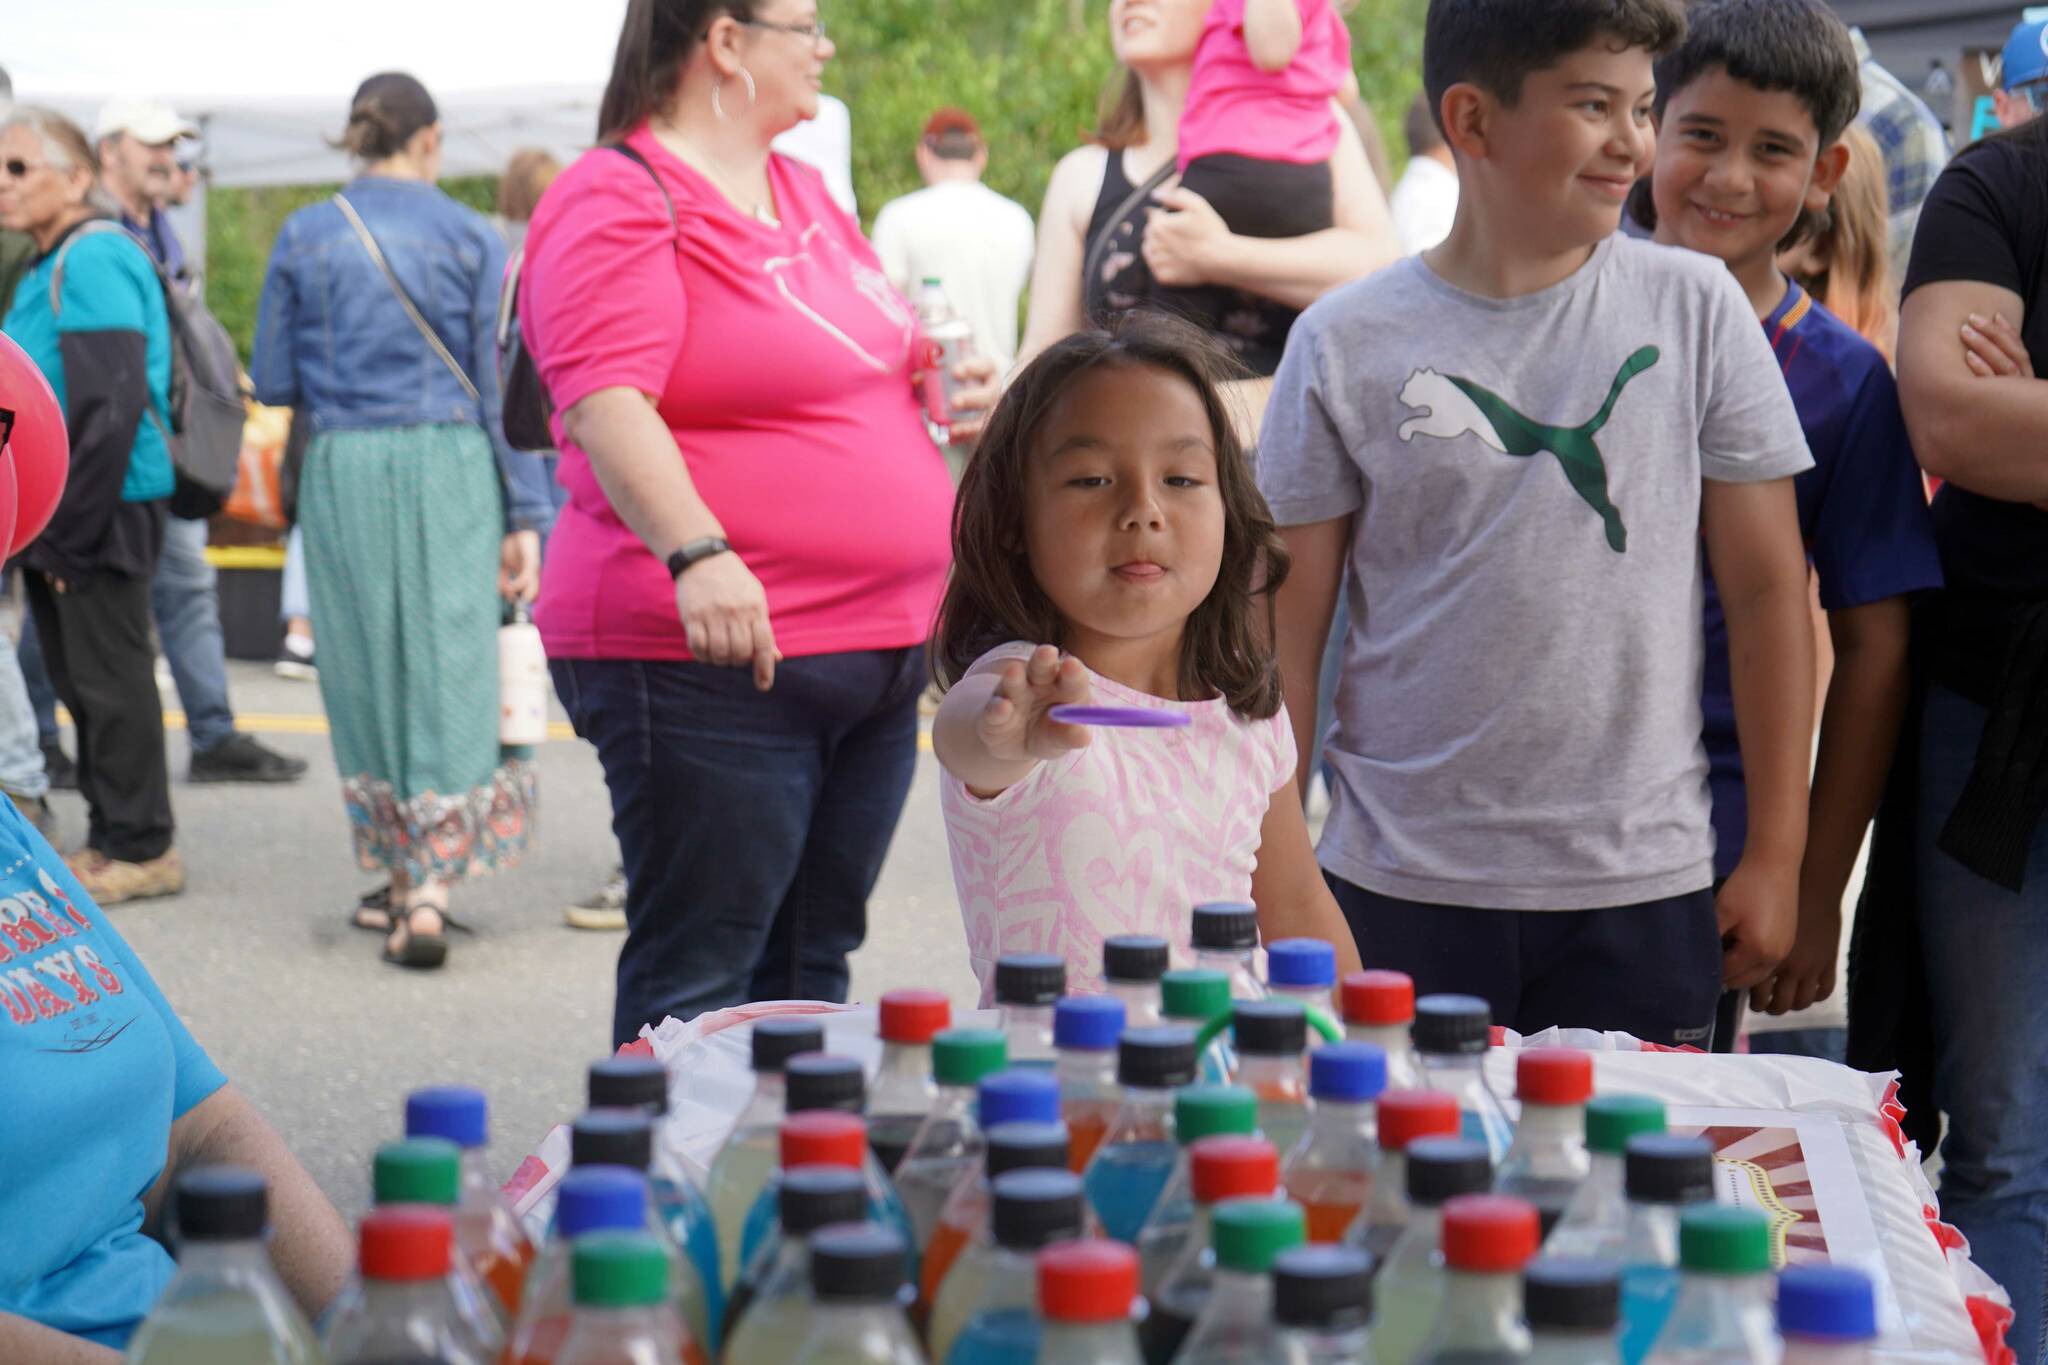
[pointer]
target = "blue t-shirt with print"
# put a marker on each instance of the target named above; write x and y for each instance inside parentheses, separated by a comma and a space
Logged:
(94, 1066)
(1862, 512)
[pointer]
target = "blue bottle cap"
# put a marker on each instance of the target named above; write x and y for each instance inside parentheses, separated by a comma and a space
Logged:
(1349, 1073)
(458, 1113)
(1020, 1094)
(593, 1197)
(1830, 1302)
(1301, 962)
(1089, 1023)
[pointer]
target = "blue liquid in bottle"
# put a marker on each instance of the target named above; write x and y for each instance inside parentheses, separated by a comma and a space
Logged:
(1648, 1294)
(1124, 1183)
(1002, 1336)
(688, 1219)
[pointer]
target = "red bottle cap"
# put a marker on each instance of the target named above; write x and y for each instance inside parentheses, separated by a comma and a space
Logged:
(914, 1016)
(1087, 1281)
(1490, 1234)
(1232, 1166)
(1406, 1115)
(824, 1137)
(408, 1242)
(1378, 999)
(1554, 1075)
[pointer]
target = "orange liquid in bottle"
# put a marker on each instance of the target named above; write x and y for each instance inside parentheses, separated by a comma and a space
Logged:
(945, 1247)
(505, 1277)
(541, 1344)
(1086, 1128)
(1331, 1200)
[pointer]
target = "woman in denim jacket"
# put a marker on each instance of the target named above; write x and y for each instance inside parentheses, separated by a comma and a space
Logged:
(417, 516)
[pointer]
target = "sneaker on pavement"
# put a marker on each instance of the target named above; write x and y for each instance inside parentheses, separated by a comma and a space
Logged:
(57, 765)
(36, 810)
(109, 881)
(295, 659)
(603, 909)
(243, 758)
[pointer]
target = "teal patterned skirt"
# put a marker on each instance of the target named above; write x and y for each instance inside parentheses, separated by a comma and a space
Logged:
(402, 529)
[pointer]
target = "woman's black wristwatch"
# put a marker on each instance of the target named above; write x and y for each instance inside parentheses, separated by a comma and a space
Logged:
(703, 547)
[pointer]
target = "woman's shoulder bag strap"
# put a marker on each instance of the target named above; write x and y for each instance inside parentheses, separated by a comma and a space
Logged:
(432, 338)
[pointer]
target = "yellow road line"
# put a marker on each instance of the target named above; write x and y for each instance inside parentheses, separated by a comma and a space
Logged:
(302, 724)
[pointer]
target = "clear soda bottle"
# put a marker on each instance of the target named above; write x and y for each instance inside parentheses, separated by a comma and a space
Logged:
(1574, 1311)
(1222, 1169)
(625, 1137)
(827, 1137)
(1595, 1221)
(1452, 1034)
(1226, 939)
(1548, 1160)
(855, 1316)
(404, 1307)
(1330, 1171)
(822, 1082)
(1303, 969)
(964, 1222)
(1132, 965)
(225, 1305)
(590, 1199)
(624, 1315)
(1411, 1281)
(1272, 1043)
(1087, 1291)
(1137, 1155)
(1236, 1325)
(1322, 1302)
(429, 1171)
(1028, 986)
(807, 1198)
(1085, 1029)
(982, 1316)
(1489, 1239)
(1665, 1175)
(1827, 1315)
(747, 1158)
(949, 1143)
(1405, 1116)
(903, 1091)
(1024, 1095)
(487, 1232)
(1199, 1111)
(1192, 997)
(1379, 1007)
(1724, 1314)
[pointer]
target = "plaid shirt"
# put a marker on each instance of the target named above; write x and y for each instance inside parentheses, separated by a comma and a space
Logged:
(1914, 145)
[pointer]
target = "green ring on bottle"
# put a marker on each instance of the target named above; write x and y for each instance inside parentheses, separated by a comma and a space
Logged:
(1319, 1020)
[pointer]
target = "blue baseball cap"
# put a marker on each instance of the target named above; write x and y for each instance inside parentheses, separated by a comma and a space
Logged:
(2026, 51)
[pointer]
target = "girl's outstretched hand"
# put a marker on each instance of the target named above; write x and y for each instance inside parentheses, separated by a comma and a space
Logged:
(1015, 726)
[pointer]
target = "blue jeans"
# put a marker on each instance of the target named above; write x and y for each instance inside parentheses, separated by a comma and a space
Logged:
(35, 676)
(185, 599)
(752, 824)
(1986, 960)
(21, 754)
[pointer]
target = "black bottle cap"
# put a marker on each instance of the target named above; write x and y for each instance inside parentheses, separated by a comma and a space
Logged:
(1030, 978)
(629, 1083)
(1034, 1209)
(1156, 1058)
(222, 1204)
(1452, 1024)
(814, 1197)
(856, 1262)
(818, 1080)
(1270, 1028)
(778, 1040)
(1025, 1144)
(1322, 1287)
(1134, 957)
(1443, 1168)
(612, 1137)
(1572, 1294)
(1663, 1168)
(1226, 926)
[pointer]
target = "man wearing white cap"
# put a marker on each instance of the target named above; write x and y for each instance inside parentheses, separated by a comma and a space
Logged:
(137, 141)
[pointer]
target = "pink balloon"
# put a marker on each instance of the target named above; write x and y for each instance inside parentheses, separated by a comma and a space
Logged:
(41, 448)
(9, 503)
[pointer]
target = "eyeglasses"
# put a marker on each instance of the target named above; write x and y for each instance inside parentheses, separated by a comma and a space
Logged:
(19, 169)
(815, 30)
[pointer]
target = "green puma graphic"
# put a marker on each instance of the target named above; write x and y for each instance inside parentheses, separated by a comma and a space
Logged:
(1452, 406)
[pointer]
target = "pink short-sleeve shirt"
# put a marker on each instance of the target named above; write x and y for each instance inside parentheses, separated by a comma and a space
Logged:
(1126, 836)
(780, 358)
(1285, 115)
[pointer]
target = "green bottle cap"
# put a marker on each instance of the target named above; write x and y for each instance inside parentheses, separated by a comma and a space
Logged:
(1611, 1120)
(1198, 993)
(1251, 1233)
(417, 1171)
(618, 1270)
(962, 1056)
(1202, 1111)
(1720, 1239)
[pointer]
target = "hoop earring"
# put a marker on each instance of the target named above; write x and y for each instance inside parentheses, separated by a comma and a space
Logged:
(717, 108)
(748, 77)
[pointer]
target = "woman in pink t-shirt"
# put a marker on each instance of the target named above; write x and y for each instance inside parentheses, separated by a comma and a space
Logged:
(738, 591)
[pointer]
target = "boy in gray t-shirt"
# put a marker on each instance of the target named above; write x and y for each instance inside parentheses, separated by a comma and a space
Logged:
(1514, 449)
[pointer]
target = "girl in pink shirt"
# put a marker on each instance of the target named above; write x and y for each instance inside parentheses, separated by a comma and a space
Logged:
(1111, 546)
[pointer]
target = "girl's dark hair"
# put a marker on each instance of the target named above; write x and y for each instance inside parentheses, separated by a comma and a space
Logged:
(387, 110)
(993, 597)
(657, 37)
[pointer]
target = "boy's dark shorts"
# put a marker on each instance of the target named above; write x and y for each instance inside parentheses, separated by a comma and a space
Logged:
(1652, 970)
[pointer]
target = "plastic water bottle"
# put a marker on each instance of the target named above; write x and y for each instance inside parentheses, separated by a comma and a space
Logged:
(1665, 1174)
(1322, 1301)
(1028, 985)
(1011, 1146)
(984, 1314)
(590, 1199)
(1574, 1311)
(903, 1091)
(1137, 1155)
(1724, 1314)
(226, 1305)
(821, 1082)
(1488, 1240)
(1191, 998)
(827, 1137)
(487, 1232)
(429, 1171)
(856, 1314)
(404, 1307)
(1595, 1222)
(809, 1198)
(1548, 1161)
(948, 1144)
(1404, 1116)
(1085, 1029)
(1303, 969)
(1410, 1288)
(1132, 965)
(748, 1157)
(1226, 935)
(642, 1083)
(1199, 1111)
(523, 684)
(1236, 1325)
(1827, 1315)
(1222, 1169)
(1452, 1033)
(1379, 1007)
(1020, 1095)
(624, 1315)
(1086, 1294)
(1272, 1040)
(1330, 1171)
(625, 1137)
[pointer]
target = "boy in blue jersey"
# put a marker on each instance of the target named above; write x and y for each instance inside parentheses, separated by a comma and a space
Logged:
(1750, 111)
